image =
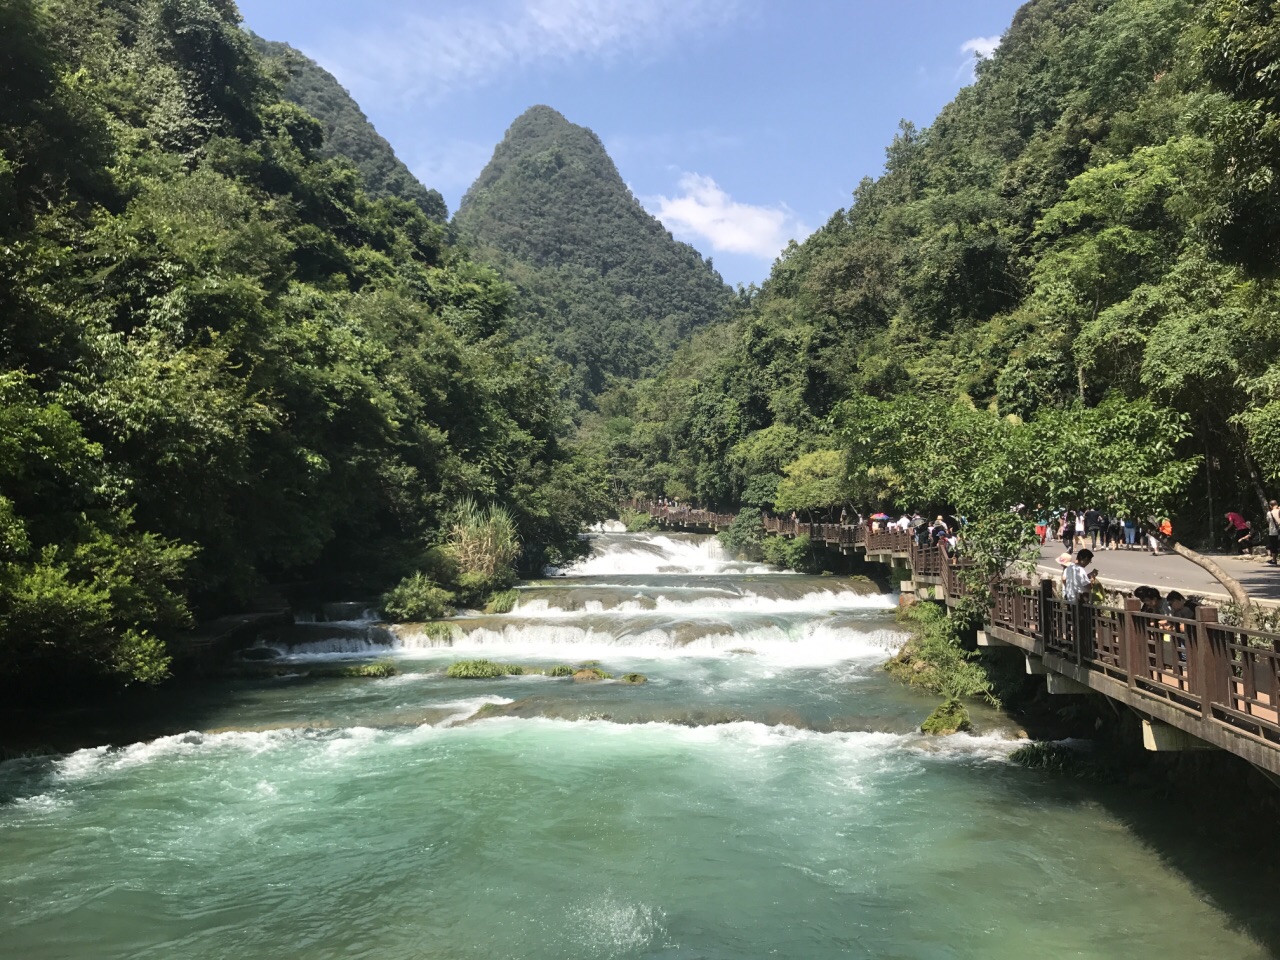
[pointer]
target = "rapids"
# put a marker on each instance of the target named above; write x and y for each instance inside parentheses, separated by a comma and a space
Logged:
(765, 793)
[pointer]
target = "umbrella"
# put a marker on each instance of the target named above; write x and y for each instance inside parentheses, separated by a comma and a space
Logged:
(879, 516)
(919, 522)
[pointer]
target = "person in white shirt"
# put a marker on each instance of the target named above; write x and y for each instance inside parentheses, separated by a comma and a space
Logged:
(1075, 578)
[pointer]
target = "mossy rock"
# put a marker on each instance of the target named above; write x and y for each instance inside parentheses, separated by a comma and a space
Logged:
(635, 678)
(562, 670)
(589, 675)
(379, 668)
(951, 716)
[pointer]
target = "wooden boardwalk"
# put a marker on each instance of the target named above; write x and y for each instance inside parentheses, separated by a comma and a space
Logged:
(1194, 683)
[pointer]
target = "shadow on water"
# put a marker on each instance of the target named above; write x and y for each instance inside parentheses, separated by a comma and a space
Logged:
(136, 715)
(1215, 821)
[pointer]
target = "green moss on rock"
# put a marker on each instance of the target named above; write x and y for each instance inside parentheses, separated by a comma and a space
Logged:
(950, 716)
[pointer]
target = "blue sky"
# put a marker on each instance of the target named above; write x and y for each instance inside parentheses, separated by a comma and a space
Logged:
(741, 124)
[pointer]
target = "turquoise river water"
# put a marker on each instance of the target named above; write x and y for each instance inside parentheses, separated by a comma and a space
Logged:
(765, 794)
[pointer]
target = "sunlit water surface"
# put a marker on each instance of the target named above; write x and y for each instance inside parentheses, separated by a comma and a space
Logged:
(764, 794)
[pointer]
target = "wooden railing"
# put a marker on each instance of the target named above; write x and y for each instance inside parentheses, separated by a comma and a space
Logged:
(1222, 681)
(1223, 675)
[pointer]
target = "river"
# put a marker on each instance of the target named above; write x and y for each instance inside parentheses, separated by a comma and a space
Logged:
(765, 793)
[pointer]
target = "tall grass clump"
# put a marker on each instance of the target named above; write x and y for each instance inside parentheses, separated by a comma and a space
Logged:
(484, 544)
(503, 601)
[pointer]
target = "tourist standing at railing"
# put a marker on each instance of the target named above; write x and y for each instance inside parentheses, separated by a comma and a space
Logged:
(1130, 532)
(1075, 576)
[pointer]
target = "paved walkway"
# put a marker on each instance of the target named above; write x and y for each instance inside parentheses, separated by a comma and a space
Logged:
(1133, 568)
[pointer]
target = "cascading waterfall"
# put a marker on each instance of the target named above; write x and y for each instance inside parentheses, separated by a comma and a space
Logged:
(766, 792)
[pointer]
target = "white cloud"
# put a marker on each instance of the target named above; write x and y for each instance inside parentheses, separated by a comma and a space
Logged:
(705, 211)
(980, 47)
(425, 58)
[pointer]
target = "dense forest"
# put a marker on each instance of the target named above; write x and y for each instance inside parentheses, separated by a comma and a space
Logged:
(240, 353)
(1068, 277)
(599, 282)
(225, 364)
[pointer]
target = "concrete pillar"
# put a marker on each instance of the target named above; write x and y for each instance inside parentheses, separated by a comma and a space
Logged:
(1058, 684)
(1035, 667)
(1159, 736)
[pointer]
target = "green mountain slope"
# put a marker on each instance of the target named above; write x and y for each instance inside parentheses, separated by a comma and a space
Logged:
(1091, 218)
(600, 282)
(348, 132)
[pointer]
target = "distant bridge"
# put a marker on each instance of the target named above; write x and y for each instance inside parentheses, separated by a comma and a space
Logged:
(1194, 683)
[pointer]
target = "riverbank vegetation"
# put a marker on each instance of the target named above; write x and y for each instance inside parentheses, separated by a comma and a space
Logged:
(225, 365)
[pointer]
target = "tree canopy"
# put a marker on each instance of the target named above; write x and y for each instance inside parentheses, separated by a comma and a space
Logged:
(225, 364)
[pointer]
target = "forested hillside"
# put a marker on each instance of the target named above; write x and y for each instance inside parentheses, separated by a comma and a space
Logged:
(224, 365)
(1090, 228)
(348, 132)
(599, 281)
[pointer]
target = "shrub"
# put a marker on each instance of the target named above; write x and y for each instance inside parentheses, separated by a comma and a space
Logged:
(503, 601)
(745, 537)
(379, 668)
(479, 670)
(794, 554)
(934, 658)
(636, 521)
(417, 598)
(441, 633)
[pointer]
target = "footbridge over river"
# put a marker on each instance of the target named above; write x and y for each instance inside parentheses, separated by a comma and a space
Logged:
(1194, 683)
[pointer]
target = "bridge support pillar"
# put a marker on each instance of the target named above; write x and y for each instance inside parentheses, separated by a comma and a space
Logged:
(1036, 667)
(986, 640)
(1160, 737)
(1056, 683)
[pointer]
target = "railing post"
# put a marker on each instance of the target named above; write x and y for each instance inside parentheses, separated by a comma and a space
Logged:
(1212, 663)
(1046, 613)
(1129, 637)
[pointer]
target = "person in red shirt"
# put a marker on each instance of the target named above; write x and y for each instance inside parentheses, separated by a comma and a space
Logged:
(1240, 531)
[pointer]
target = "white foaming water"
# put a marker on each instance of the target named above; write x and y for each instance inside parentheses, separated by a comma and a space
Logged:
(659, 553)
(809, 643)
(818, 602)
(608, 526)
(97, 762)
